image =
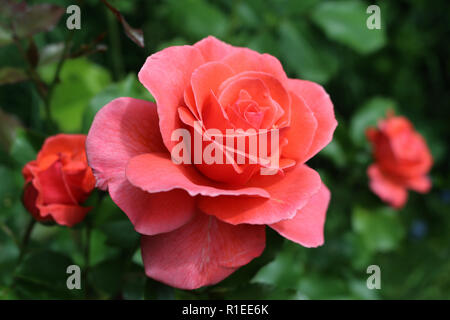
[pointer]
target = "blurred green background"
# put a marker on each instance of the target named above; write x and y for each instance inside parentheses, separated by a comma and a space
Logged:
(404, 66)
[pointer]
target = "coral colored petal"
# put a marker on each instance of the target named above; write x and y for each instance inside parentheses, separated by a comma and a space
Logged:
(53, 186)
(320, 104)
(244, 59)
(214, 116)
(207, 78)
(154, 172)
(153, 213)
(60, 143)
(301, 131)
(420, 184)
(213, 49)
(66, 215)
(122, 129)
(202, 252)
(166, 74)
(277, 91)
(288, 193)
(307, 226)
(388, 190)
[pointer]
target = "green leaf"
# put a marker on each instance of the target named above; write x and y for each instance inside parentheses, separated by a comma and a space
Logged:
(197, 18)
(345, 22)
(368, 116)
(128, 87)
(100, 251)
(9, 189)
(80, 81)
(285, 270)
(120, 233)
(334, 152)
(106, 277)
(308, 59)
(9, 75)
(43, 274)
(155, 290)
(8, 125)
(22, 149)
(380, 229)
(5, 37)
(9, 254)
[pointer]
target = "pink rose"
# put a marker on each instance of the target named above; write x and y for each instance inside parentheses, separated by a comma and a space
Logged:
(402, 161)
(200, 222)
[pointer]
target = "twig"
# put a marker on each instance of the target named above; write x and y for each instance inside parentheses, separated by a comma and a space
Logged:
(26, 240)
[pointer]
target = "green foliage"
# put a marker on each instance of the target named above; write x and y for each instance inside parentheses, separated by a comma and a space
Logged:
(80, 80)
(344, 21)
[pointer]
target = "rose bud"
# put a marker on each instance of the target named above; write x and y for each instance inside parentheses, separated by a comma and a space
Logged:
(402, 160)
(59, 181)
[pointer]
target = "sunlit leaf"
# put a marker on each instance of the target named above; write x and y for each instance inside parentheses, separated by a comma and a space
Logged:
(299, 52)
(380, 229)
(345, 22)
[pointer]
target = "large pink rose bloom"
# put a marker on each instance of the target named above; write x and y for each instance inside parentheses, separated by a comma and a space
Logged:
(201, 222)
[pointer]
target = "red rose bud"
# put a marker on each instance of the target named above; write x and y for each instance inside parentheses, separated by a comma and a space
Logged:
(402, 161)
(59, 181)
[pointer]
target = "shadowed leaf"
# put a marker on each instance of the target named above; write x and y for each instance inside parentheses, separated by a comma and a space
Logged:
(9, 75)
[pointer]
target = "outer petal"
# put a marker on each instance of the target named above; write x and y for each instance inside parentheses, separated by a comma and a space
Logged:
(388, 190)
(306, 228)
(154, 173)
(420, 184)
(288, 194)
(122, 129)
(166, 74)
(320, 104)
(63, 214)
(70, 143)
(301, 132)
(153, 213)
(213, 49)
(202, 252)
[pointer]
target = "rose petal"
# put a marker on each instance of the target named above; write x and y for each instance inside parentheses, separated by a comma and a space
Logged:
(64, 214)
(306, 227)
(203, 252)
(387, 189)
(277, 91)
(53, 187)
(153, 172)
(301, 132)
(122, 129)
(213, 49)
(207, 78)
(320, 104)
(166, 74)
(288, 194)
(153, 213)
(420, 184)
(61, 143)
(244, 59)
